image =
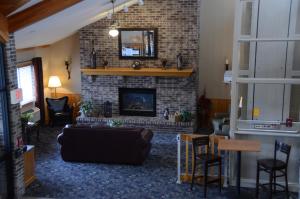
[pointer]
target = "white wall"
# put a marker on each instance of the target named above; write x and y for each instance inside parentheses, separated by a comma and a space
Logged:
(53, 58)
(216, 39)
(68, 47)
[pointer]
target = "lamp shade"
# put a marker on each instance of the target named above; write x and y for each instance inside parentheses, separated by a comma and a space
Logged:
(54, 82)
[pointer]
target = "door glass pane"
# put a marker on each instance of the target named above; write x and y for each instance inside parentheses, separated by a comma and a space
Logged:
(246, 18)
(298, 17)
(294, 52)
(295, 103)
(271, 59)
(243, 102)
(244, 55)
(262, 102)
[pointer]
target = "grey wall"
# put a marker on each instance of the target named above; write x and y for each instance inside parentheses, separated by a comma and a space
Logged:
(177, 23)
(216, 39)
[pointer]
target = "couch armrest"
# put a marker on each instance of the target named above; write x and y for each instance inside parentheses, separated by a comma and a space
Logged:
(60, 138)
(147, 135)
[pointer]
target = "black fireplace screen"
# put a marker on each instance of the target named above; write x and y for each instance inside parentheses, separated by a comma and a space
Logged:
(137, 102)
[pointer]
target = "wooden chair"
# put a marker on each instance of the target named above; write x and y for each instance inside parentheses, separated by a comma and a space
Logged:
(208, 159)
(273, 167)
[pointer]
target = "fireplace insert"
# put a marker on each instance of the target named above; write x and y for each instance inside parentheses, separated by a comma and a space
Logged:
(137, 102)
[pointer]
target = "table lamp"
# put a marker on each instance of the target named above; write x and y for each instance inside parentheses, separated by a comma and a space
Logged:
(54, 82)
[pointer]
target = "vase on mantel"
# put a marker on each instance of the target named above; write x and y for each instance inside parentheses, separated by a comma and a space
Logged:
(93, 56)
(179, 62)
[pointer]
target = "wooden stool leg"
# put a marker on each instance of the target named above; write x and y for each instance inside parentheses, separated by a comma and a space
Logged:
(257, 181)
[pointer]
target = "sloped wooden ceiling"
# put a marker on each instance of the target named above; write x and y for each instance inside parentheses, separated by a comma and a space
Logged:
(9, 6)
(28, 16)
(37, 12)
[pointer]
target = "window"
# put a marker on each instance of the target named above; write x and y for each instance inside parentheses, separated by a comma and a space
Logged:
(266, 69)
(26, 82)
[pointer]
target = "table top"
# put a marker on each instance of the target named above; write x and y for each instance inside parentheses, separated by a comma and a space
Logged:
(190, 137)
(240, 145)
(29, 147)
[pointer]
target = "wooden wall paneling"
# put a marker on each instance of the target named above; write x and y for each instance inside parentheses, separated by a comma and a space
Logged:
(219, 106)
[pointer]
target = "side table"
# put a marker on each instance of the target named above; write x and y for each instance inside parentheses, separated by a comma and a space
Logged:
(29, 165)
(30, 127)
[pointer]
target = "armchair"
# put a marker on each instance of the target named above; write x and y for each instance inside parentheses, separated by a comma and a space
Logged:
(220, 124)
(60, 113)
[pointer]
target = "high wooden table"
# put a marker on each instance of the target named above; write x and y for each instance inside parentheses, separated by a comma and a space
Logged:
(239, 146)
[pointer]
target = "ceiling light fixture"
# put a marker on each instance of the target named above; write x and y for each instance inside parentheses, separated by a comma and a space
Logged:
(113, 32)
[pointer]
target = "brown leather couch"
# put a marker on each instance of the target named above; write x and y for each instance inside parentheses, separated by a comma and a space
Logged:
(105, 144)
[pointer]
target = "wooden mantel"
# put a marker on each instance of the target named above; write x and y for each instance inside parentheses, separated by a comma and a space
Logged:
(126, 71)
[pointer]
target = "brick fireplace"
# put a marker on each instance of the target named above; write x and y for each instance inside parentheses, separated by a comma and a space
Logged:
(178, 28)
(176, 94)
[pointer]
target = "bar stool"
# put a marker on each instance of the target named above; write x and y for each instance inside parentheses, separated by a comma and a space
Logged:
(209, 160)
(273, 167)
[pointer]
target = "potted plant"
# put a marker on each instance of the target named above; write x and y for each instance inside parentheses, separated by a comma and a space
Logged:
(86, 108)
(25, 117)
(186, 116)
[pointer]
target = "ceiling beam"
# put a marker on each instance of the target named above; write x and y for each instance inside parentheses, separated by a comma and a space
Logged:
(3, 29)
(7, 7)
(37, 12)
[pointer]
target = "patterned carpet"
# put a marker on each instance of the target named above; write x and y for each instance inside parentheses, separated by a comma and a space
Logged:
(155, 179)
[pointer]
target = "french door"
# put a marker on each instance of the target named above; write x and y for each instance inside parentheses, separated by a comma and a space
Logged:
(6, 161)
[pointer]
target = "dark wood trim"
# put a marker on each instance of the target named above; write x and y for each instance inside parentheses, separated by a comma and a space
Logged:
(3, 29)
(138, 29)
(10, 6)
(37, 12)
(31, 48)
(24, 64)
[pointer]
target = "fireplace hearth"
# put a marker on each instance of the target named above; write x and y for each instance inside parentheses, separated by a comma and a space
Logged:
(137, 102)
